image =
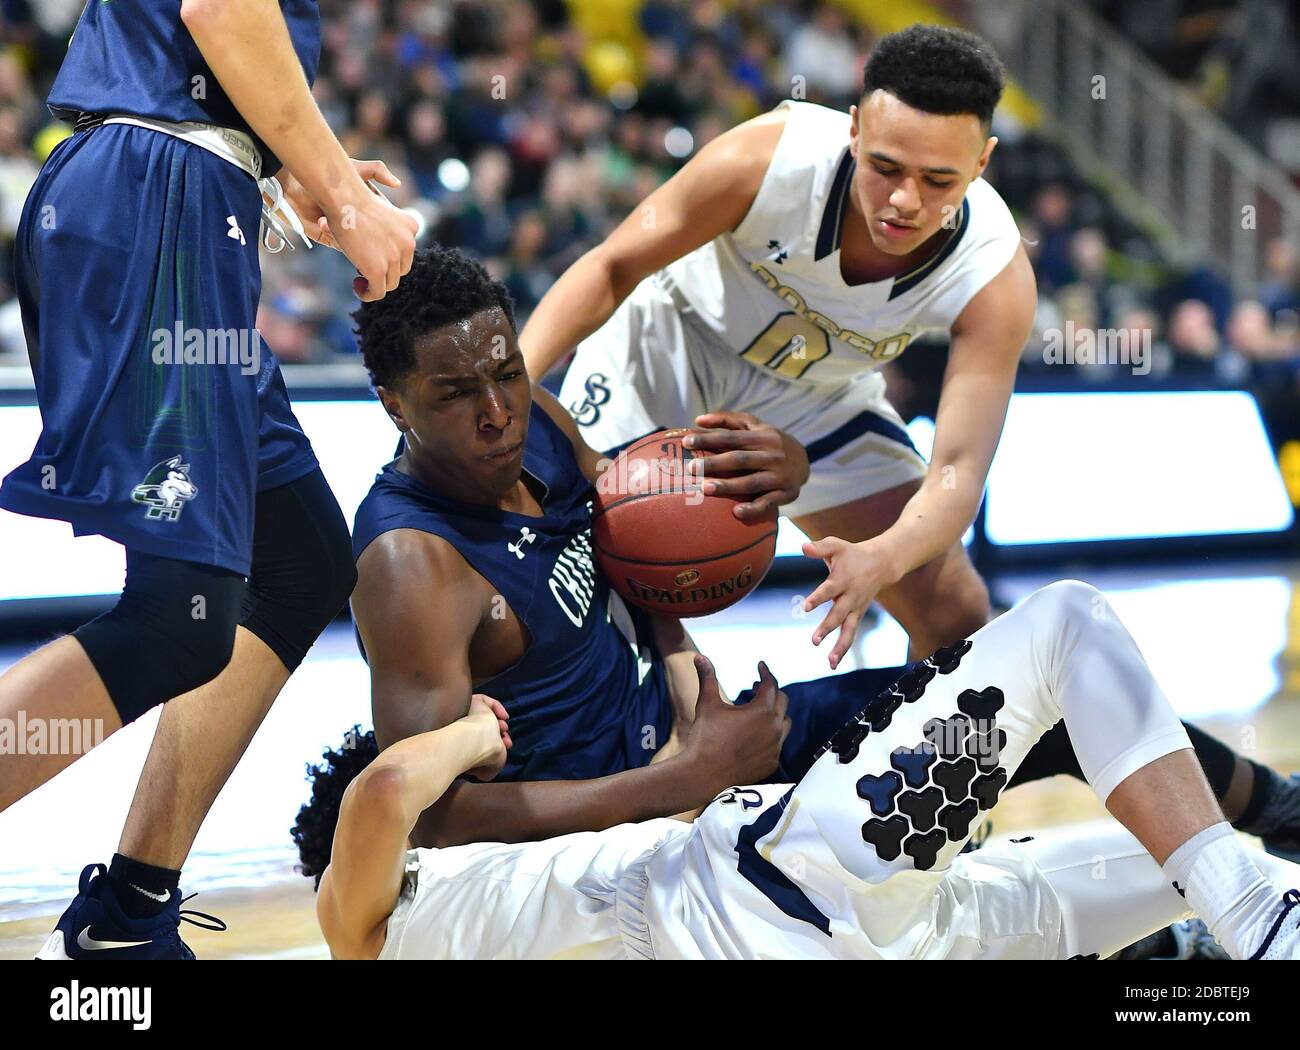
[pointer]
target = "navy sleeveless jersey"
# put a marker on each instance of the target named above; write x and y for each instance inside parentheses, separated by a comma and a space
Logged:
(588, 698)
(136, 56)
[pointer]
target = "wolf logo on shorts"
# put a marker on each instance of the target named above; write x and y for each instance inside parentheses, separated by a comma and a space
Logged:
(165, 490)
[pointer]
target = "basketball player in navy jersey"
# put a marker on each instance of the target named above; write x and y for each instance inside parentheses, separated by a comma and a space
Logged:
(166, 423)
(474, 558)
(475, 575)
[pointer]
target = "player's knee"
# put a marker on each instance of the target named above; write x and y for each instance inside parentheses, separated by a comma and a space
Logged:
(1068, 600)
(172, 631)
(303, 574)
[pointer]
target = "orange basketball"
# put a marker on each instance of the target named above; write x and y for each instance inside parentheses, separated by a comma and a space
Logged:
(664, 545)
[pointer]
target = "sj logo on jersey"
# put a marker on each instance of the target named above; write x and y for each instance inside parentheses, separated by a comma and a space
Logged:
(596, 393)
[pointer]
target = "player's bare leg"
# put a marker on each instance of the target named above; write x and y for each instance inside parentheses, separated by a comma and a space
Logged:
(936, 603)
(196, 746)
(1165, 803)
(57, 682)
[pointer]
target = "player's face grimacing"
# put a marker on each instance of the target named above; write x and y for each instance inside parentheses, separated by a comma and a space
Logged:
(913, 169)
(464, 409)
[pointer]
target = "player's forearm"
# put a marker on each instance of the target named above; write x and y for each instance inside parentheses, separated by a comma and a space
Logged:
(582, 300)
(527, 811)
(378, 812)
(933, 520)
(677, 650)
(425, 765)
(246, 44)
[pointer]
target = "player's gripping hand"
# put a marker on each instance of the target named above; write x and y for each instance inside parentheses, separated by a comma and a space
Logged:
(750, 459)
(312, 215)
(735, 743)
(858, 572)
(376, 236)
(491, 724)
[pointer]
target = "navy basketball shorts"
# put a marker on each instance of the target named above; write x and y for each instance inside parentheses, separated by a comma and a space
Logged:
(163, 412)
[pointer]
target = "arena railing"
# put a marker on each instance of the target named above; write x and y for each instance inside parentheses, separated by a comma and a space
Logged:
(1204, 193)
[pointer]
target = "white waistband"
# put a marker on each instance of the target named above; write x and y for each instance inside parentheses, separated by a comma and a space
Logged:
(235, 146)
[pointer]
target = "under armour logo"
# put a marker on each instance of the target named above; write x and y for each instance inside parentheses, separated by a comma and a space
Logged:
(235, 233)
(781, 253)
(526, 535)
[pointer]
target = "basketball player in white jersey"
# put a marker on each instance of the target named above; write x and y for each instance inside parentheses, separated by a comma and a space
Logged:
(775, 274)
(860, 859)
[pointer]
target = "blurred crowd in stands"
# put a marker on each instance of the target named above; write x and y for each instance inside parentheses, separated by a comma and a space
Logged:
(524, 130)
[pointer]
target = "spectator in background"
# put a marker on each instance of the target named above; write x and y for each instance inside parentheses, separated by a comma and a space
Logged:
(572, 214)
(1250, 332)
(1199, 353)
(1281, 287)
(1141, 327)
(1051, 214)
(1088, 257)
(525, 276)
(427, 147)
(483, 224)
(18, 170)
(661, 94)
(825, 53)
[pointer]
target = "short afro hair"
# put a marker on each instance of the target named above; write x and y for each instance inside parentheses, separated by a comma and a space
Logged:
(444, 286)
(938, 70)
(313, 831)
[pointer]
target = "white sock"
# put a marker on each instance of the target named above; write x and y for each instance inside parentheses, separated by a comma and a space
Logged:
(1225, 888)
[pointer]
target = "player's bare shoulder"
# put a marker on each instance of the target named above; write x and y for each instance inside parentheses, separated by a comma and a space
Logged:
(748, 148)
(402, 571)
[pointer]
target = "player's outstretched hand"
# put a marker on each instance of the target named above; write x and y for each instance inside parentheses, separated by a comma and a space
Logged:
(857, 574)
(736, 743)
(491, 721)
(752, 461)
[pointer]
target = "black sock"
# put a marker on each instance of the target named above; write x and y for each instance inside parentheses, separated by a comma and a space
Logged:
(1260, 792)
(143, 890)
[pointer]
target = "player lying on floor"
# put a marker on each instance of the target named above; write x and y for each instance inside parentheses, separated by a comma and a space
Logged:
(475, 573)
(860, 859)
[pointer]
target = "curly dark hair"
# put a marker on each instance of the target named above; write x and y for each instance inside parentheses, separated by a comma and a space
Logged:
(313, 831)
(444, 286)
(938, 70)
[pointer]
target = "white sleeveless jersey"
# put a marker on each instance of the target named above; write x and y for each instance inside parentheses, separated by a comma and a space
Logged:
(772, 289)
